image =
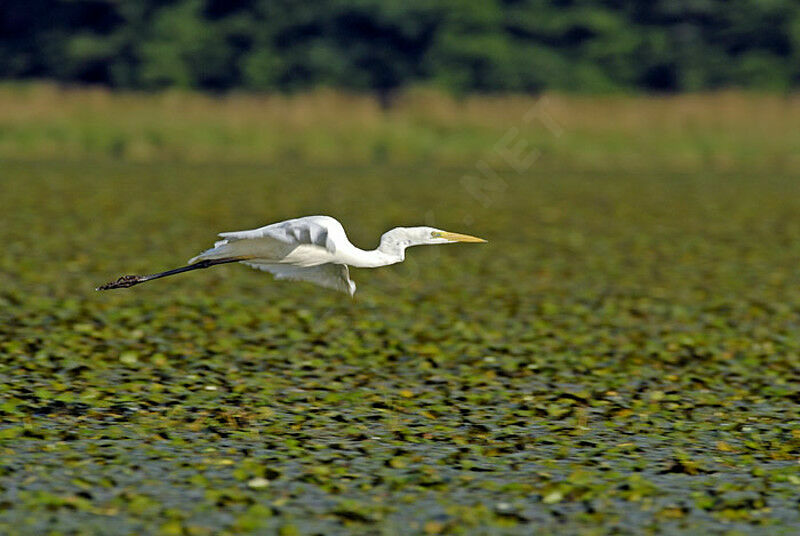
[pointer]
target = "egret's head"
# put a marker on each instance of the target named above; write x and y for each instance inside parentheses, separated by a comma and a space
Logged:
(422, 236)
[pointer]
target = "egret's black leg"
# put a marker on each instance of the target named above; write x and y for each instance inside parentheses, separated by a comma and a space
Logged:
(130, 280)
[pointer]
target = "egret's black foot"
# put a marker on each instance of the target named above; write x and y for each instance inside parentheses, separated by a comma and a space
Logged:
(123, 282)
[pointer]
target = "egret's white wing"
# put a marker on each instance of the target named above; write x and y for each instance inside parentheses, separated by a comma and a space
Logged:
(335, 276)
(311, 230)
(275, 241)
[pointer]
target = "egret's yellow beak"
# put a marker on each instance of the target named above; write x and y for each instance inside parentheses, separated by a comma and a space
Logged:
(456, 237)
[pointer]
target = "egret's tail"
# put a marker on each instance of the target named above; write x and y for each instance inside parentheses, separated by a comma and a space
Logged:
(220, 250)
(260, 247)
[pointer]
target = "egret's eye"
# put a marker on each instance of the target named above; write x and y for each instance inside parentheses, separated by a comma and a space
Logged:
(435, 234)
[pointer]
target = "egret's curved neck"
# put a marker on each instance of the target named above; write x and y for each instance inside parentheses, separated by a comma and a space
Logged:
(390, 251)
(360, 258)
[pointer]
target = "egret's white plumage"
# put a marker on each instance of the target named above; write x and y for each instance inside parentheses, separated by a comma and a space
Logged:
(313, 248)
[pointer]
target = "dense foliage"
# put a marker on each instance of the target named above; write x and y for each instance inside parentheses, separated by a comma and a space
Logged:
(379, 45)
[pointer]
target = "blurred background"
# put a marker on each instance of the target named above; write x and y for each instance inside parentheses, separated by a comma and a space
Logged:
(622, 356)
(407, 81)
(527, 46)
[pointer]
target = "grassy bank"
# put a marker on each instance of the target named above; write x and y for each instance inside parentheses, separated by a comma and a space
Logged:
(719, 131)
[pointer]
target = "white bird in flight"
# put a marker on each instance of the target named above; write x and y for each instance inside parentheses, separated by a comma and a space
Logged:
(313, 248)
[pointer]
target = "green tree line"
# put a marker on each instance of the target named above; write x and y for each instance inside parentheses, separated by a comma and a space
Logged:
(381, 45)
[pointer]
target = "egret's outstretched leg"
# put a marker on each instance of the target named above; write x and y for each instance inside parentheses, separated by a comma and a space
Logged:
(130, 280)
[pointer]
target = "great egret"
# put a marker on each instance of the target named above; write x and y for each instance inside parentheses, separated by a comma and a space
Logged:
(313, 248)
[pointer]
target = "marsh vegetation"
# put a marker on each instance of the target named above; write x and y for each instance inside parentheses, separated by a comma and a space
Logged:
(622, 356)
